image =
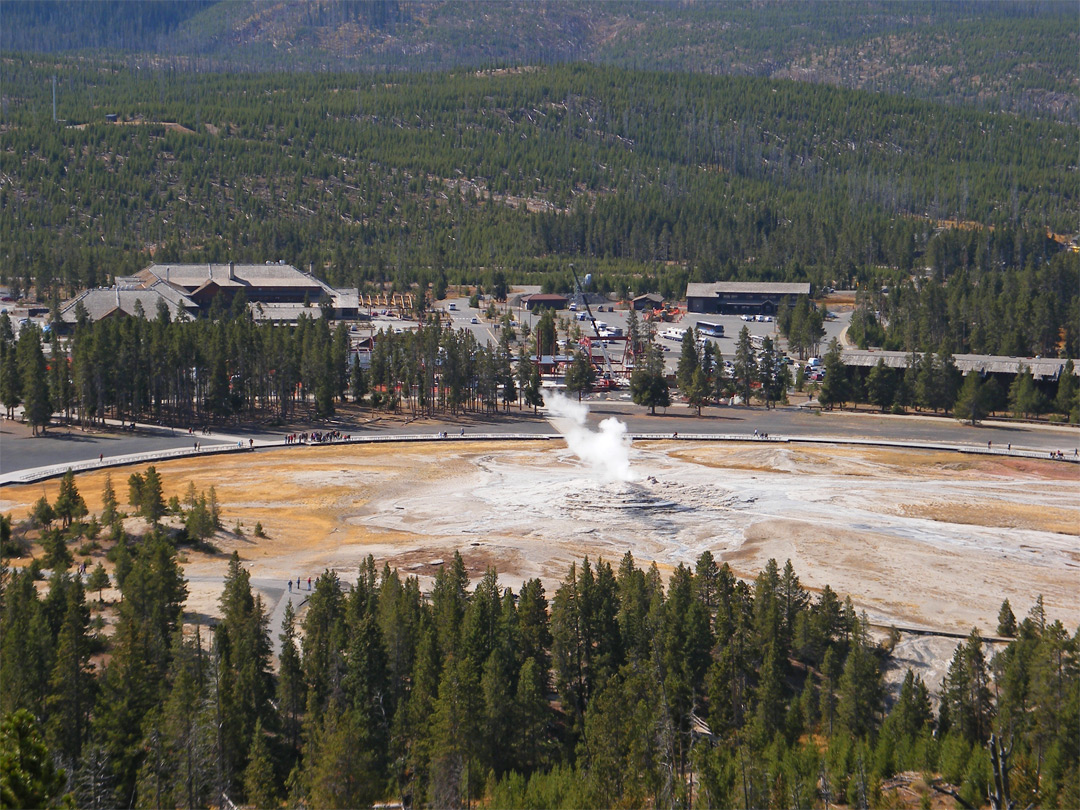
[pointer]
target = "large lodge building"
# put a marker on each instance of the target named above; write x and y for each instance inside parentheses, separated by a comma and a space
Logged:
(274, 291)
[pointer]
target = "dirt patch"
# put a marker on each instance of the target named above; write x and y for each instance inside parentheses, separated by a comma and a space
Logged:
(1006, 515)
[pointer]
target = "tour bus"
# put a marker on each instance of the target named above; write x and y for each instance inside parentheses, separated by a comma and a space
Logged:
(711, 329)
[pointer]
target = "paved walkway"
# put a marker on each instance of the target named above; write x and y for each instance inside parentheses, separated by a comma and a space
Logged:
(227, 445)
(27, 460)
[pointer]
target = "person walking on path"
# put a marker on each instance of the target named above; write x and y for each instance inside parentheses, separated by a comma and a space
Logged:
(309, 583)
(290, 586)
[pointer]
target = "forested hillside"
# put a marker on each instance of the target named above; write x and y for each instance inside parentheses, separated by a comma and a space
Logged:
(1018, 56)
(646, 179)
(622, 690)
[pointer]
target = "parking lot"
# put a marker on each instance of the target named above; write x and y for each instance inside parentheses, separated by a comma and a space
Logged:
(462, 316)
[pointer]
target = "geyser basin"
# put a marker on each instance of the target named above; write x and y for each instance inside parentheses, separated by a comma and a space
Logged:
(621, 495)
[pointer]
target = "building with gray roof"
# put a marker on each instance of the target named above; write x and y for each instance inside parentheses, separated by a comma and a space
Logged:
(274, 291)
(757, 297)
(1041, 368)
(123, 301)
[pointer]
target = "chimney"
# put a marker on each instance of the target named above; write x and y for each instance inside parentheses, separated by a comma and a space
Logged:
(210, 271)
(118, 296)
(232, 271)
(166, 275)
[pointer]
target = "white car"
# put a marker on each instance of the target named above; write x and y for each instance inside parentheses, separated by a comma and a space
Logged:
(474, 319)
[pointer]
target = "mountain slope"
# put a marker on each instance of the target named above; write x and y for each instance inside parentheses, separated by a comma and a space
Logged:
(1014, 56)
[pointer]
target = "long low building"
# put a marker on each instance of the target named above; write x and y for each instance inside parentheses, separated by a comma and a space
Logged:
(273, 291)
(1041, 368)
(756, 297)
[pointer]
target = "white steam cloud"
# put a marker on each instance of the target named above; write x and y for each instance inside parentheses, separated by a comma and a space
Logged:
(607, 452)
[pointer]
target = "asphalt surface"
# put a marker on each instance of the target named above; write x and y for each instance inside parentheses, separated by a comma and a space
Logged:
(838, 425)
(20, 451)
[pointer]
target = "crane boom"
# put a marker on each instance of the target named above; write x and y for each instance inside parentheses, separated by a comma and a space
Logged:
(608, 368)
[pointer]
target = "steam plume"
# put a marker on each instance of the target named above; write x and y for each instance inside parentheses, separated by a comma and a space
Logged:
(607, 452)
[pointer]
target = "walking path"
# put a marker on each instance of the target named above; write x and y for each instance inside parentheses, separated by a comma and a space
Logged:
(229, 443)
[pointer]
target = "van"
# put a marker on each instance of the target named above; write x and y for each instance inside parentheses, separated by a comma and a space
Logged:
(453, 307)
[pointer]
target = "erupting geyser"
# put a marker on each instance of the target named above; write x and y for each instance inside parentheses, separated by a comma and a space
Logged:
(606, 451)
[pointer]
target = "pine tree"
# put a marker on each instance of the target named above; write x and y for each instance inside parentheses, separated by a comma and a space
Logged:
(697, 394)
(30, 778)
(358, 380)
(768, 374)
(291, 689)
(71, 684)
(214, 507)
(260, 786)
(323, 641)
(1006, 621)
(834, 388)
(1067, 401)
(340, 773)
(648, 385)
(151, 499)
(57, 555)
(198, 522)
(42, 513)
(243, 652)
(971, 401)
(581, 375)
(187, 726)
(532, 718)
(98, 580)
(927, 381)
(69, 503)
(533, 631)
(10, 376)
(880, 389)
(110, 506)
(689, 361)
(454, 735)
(533, 394)
(1024, 398)
(34, 385)
(136, 483)
(744, 370)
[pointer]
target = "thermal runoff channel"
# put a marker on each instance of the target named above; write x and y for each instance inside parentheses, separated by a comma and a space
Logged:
(607, 451)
